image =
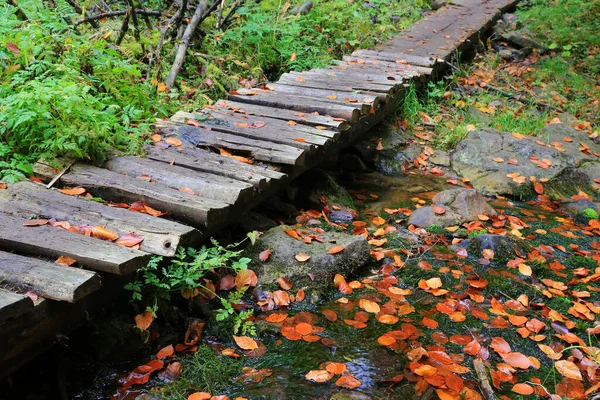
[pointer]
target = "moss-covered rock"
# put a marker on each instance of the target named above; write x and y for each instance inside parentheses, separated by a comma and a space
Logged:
(504, 247)
(316, 274)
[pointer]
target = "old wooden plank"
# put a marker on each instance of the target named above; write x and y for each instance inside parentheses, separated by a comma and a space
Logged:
(299, 103)
(331, 81)
(194, 210)
(206, 185)
(161, 236)
(410, 59)
(13, 304)
(310, 119)
(202, 160)
(47, 279)
(259, 149)
(347, 97)
(387, 70)
(53, 242)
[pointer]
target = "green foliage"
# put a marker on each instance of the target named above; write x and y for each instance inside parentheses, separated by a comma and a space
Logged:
(63, 94)
(474, 234)
(185, 275)
(569, 27)
(589, 213)
(435, 229)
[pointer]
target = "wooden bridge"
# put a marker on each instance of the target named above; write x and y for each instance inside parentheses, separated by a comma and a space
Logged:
(54, 267)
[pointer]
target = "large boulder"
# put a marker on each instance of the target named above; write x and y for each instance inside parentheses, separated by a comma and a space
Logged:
(504, 247)
(461, 205)
(318, 271)
(565, 154)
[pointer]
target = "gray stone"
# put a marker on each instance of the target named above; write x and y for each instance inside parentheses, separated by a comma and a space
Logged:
(469, 203)
(437, 4)
(440, 157)
(352, 163)
(570, 169)
(504, 247)
(461, 205)
(424, 217)
(505, 54)
(321, 265)
(519, 41)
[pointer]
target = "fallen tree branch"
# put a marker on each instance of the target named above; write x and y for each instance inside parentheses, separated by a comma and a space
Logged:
(174, 21)
(483, 379)
(185, 42)
(229, 14)
(111, 14)
(136, 26)
(79, 10)
(19, 13)
(124, 27)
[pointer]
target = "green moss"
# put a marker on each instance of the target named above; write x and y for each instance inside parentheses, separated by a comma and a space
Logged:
(474, 234)
(435, 229)
(205, 371)
(589, 213)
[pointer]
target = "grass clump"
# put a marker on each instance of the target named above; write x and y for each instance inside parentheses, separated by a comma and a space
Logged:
(204, 371)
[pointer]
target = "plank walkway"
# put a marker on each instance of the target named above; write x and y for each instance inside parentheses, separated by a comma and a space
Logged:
(195, 177)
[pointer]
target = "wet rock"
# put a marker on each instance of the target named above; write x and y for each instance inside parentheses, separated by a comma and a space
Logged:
(321, 265)
(467, 202)
(474, 159)
(437, 4)
(577, 206)
(350, 395)
(253, 221)
(505, 54)
(352, 163)
(440, 157)
(504, 247)
(461, 205)
(520, 41)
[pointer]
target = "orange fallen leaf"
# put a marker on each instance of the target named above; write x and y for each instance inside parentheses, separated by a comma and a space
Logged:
(165, 352)
(348, 381)
(439, 210)
(100, 232)
(199, 396)
(302, 257)
(264, 255)
(378, 221)
(245, 342)
(173, 141)
(77, 191)
(66, 261)
(144, 320)
(335, 249)
(568, 369)
(318, 375)
(522, 388)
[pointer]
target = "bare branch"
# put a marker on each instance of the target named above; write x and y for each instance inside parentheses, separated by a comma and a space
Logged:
(199, 15)
(117, 14)
(229, 14)
(19, 13)
(124, 27)
(79, 10)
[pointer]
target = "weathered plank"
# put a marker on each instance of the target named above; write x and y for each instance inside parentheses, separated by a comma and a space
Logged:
(285, 115)
(53, 242)
(45, 278)
(324, 80)
(350, 98)
(194, 210)
(259, 149)
(206, 161)
(206, 185)
(299, 103)
(13, 304)
(161, 236)
(391, 57)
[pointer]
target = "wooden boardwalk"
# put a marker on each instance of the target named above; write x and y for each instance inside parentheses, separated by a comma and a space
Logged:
(189, 174)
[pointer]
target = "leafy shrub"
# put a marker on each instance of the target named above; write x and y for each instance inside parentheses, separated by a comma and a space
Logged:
(186, 276)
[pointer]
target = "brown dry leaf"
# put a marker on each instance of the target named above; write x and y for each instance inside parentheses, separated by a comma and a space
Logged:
(244, 278)
(488, 254)
(434, 283)
(165, 352)
(335, 249)
(523, 388)
(130, 240)
(378, 221)
(568, 369)
(155, 138)
(318, 375)
(100, 232)
(439, 210)
(539, 189)
(525, 269)
(144, 320)
(369, 306)
(292, 123)
(76, 191)
(518, 135)
(302, 257)
(264, 255)
(173, 141)
(35, 222)
(348, 381)
(284, 283)
(66, 261)
(245, 342)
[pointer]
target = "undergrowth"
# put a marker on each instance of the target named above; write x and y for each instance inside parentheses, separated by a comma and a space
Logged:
(77, 93)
